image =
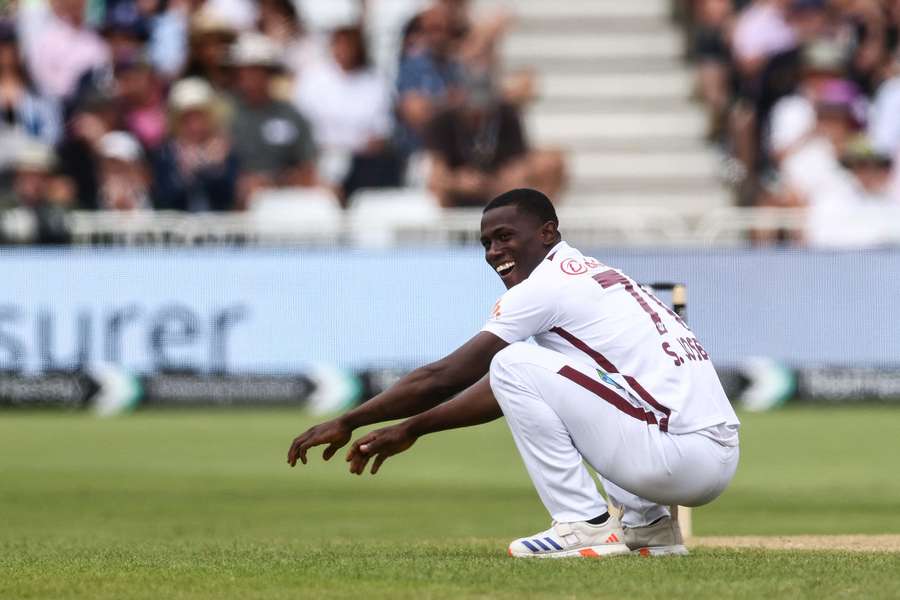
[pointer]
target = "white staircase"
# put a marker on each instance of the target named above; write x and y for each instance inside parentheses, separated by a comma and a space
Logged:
(615, 94)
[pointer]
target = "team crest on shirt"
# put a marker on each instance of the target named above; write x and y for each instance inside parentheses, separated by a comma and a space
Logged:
(570, 266)
(495, 312)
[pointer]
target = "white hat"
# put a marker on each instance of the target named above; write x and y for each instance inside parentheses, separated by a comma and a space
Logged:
(253, 49)
(193, 92)
(33, 155)
(122, 146)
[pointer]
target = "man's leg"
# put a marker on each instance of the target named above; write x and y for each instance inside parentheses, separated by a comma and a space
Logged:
(636, 511)
(554, 463)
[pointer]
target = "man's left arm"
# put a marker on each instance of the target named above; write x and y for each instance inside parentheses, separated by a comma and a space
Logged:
(474, 406)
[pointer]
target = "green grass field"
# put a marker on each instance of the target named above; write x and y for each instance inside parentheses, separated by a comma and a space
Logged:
(202, 505)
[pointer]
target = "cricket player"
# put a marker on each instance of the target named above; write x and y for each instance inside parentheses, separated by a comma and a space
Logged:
(587, 367)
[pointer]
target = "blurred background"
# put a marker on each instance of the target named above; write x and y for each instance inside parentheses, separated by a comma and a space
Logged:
(228, 218)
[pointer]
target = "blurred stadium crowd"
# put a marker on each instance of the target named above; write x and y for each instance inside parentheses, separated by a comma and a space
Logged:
(201, 105)
(803, 97)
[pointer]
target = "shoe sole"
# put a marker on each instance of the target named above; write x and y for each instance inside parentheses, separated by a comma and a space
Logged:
(677, 550)
(589, 552)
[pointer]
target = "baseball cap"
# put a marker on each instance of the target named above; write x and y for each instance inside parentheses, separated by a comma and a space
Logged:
(120, 145)
(189, 93)
(33, 155)
(254, 49)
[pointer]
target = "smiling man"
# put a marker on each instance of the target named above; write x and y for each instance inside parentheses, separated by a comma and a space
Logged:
(614, 379)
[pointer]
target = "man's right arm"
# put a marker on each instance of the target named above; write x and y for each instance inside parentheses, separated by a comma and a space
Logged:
(415, 393)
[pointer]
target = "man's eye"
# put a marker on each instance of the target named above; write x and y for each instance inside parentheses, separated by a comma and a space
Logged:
(504, 237)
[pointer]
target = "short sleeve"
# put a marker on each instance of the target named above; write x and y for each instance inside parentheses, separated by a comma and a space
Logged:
(522, 312)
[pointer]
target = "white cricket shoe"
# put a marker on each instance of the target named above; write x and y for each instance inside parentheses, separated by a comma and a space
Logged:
(662, 538)
(578, 539)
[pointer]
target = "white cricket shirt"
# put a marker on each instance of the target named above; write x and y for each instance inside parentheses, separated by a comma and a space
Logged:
(595, 314)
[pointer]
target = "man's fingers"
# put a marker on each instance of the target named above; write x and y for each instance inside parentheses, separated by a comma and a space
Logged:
(330, 450)
(377, 464)
(358, 465)
(295, 448)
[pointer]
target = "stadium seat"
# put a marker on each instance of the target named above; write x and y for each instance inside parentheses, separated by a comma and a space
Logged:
(376, 217)
(297, 213)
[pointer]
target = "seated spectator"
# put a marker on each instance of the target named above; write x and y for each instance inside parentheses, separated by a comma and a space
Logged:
(273, 142)
(478, 149)
(794, 116)
(872, 169)
(209, 45)
(348, 105)
(64, 49)
(22, 110)
(711, 52)
(761, 31)
(124, 178)
(39, 190)
(476, 40)
(427, 79)
(884, 117)
(811, 169)
(278, 20)
(862, 216)
(141, 101)
(126, 32)
(196, 169)
(95, 115)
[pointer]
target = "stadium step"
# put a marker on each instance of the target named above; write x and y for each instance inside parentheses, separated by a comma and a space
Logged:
(581, 9)
(644, 165)
(561, 127)
(593, 46)
(615, 94)
(670, 85)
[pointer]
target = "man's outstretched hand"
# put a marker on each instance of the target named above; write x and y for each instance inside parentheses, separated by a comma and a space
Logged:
(381, 444)
(334, 433)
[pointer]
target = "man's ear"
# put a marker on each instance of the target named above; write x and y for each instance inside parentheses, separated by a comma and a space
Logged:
(549, 233)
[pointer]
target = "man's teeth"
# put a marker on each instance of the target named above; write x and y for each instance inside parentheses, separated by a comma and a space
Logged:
(505, 266)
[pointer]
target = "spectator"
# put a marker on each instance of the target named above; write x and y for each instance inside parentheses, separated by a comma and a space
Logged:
(478, 149)
(712, 54)
(427, 80)
(96, 115)
(475, 44)
(126, 32)
(196, 169)
(761, 31)
(273, 141)
(64, 49)
(348, 104)
(41, 192)
(279, 21)
(884, 119)
(811, 168)
(141, 101)
(872, 169)
(124, 178)
(22, 110)
(210, 39)
(794, 116)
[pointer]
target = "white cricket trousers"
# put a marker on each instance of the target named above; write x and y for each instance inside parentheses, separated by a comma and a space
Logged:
(558, 425)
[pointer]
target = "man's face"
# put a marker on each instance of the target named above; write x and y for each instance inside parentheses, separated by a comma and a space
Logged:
(515, 243)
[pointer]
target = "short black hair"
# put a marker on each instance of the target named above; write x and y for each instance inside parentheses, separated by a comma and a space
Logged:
(526, 200)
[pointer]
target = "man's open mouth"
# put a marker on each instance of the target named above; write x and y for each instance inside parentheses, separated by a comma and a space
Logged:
(506, 268)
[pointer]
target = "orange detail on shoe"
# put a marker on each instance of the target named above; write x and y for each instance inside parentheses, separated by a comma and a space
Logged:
(644, 551)
(509, 551)
(587, 552)
(612, 538)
